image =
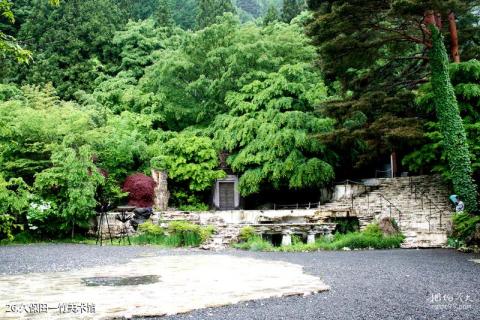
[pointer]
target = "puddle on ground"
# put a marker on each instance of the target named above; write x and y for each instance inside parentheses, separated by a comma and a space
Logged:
(120, 281)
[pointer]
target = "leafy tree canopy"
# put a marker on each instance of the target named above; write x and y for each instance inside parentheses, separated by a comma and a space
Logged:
(269, 129)
(190, 81)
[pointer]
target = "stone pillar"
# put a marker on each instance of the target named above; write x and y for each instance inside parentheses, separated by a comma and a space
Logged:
(286, 238)
(311, 237)
(161, 189)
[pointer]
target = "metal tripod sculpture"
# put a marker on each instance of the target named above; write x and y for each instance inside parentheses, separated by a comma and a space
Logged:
(103, 215)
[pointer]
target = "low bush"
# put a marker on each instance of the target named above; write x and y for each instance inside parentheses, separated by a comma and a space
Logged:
(255, 243)
(149, 233)
(190, 234)
(247, 233)
(371, 237)
(464, 225)
(194, 207)
(140, 188)
(151, 229)
(455, 243)
(372, 230)
(178, 234)
(362, 240)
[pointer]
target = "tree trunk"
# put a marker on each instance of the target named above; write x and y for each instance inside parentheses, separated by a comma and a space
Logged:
(451, 124)
(429, 18)
(438, 20)
(452, 24)
(161, 189)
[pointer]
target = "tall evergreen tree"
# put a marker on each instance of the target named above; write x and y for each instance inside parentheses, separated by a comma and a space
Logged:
(69, 44)
(9, 47)
(271, 15)
(184, 13)
(209, 10)
(290, 9)
(374, 54)
(163, 14)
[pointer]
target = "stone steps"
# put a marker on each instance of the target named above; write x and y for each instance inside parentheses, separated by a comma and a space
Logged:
(222, 238)
(416, 208)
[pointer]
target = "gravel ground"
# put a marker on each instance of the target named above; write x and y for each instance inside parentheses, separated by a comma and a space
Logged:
(381, 284)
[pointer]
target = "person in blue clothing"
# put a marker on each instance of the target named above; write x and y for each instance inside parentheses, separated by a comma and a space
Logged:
(459, 206)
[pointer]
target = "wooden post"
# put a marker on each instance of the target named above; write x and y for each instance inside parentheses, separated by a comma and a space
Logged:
(161, 189)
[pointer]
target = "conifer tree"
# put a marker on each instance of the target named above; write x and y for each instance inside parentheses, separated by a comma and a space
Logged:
(209, 10)
(271, 15)
(290, 9)
(163, 14)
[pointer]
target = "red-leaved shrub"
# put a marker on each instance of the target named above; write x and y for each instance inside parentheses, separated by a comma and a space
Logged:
(141, 190)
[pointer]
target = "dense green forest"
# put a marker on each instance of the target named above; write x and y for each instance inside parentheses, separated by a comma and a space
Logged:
(294, 94)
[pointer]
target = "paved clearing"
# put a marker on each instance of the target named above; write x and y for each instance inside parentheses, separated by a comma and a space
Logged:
(383, 284)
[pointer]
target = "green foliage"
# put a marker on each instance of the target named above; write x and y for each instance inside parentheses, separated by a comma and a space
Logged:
(151, 229)
(269, 129)
(346, 225)
(255, 244)
(121, 145)
(455, 243)
(163, 14)
(432, 155)
(14, 203)
(75, 179)
(150, 233)
(189, 234)
(290, 9)
(84, 29)
(133, 79)
(372, 57)
(196, 206)
(371, 237)
(451, 125)
(209, 10)
(190, 81)
(373, 230)
(464, 225)
(188, 159)
(184, 13)
(247, 233)
(35, 120)
(9, 46)
(191, 163)
(369, 45)
(359, 240)
(271, 16)
(350, 240)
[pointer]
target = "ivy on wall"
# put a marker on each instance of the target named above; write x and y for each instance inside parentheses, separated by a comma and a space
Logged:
(451, 125)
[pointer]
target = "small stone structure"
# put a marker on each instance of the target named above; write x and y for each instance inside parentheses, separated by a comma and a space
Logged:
(161, 189)
(308, 230)
(225, 193)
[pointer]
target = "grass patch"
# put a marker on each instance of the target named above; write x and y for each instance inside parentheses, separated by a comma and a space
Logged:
(27, 238)
(178, 234)
(371, 237)
(255, 243)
